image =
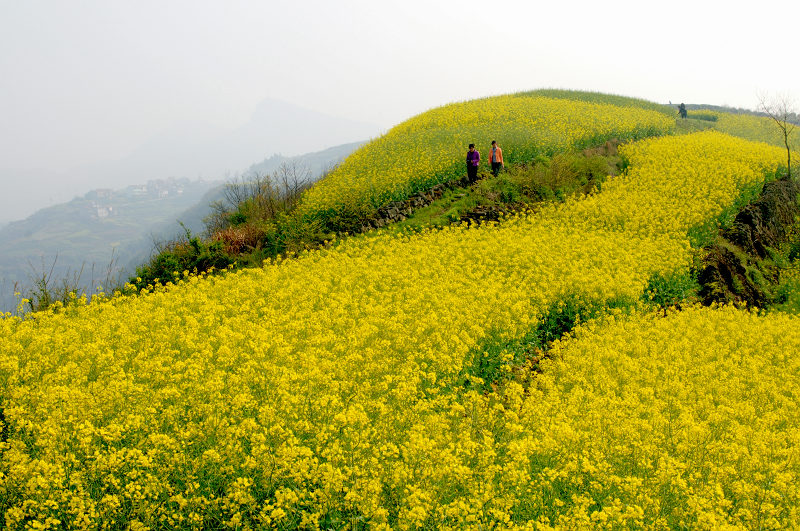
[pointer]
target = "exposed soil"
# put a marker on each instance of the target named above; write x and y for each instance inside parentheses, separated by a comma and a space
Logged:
(609, 149)
(736, 268)
(764, 222)
(482, 214)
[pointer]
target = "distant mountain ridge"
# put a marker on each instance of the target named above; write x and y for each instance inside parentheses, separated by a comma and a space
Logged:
(187, 150)
(318, 162)
(88, 231)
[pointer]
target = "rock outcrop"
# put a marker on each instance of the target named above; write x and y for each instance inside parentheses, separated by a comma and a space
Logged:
(736, 269)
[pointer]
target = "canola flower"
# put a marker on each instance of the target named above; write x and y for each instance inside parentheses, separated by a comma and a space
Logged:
(751, 127)
(679, 182)
(789, 288)
(689, 421)
(599, 97)
(430, 148)
(329, 391)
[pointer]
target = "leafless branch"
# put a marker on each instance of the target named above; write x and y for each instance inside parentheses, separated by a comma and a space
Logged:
(781, 109)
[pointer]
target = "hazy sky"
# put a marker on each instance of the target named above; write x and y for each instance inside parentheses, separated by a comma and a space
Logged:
(88, 81)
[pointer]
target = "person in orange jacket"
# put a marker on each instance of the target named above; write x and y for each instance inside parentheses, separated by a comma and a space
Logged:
(496, 158)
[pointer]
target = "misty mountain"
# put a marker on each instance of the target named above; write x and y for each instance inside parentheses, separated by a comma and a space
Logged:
(198, 150)
(119, 228)
(85, 237)
(317, 164)
(193, 150)
(25, 191)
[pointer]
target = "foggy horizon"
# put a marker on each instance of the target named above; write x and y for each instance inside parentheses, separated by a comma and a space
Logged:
(196, 152)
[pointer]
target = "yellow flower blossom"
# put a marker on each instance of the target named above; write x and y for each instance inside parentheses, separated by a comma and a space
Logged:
(327, 390)
(430, 148)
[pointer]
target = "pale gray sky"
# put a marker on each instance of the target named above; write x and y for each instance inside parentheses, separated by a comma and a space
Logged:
(87, 82)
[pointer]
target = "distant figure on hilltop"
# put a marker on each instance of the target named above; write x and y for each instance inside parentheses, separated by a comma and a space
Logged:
(473, 159)
(682, 111)
(496, 158)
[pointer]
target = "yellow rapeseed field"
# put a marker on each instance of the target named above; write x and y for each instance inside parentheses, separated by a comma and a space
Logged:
(689, 422)
(431, 147)
(333, 390)
(751, 127)
(679, 182)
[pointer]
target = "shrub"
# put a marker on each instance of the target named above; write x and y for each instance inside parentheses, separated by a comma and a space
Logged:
(705, 116)
(175, 257)
(257, 198)
(500, 189)
(496, 358)
(239, 239)
(563, 175)
(666, 290)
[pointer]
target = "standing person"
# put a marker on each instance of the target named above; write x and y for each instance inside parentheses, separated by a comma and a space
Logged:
(496, 158)
(473, 159)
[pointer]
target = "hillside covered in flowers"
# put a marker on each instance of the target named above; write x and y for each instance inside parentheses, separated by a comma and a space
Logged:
(378, 383)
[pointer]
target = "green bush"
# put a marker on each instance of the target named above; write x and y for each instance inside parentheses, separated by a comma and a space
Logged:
(237, 218)
(562, 175)
(593, 169)
(501, 189)
(705, 116)
(787, 292)
(348, 217)
(173, 258)
(671, 290)
(497, 358)
(296, 233)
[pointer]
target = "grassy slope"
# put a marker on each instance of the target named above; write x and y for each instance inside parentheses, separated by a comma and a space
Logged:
(600, 97)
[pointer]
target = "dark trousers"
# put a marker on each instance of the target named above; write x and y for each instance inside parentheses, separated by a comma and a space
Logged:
(496, 167)
(472, 173)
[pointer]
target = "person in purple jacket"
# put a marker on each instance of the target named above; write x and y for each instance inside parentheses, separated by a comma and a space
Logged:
(473, 159)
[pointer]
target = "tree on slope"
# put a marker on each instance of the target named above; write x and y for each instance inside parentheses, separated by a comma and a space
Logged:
(782, 111)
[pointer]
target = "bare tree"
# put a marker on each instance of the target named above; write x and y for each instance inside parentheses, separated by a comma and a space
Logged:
(266, 194)
(292, 179)
(238, 190)
(244, 188)
(781, 109)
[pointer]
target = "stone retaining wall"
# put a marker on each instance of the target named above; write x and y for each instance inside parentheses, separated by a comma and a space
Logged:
(400, 210)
